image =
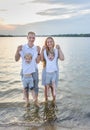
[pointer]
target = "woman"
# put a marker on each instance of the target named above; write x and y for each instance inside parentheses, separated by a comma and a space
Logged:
(49, 46)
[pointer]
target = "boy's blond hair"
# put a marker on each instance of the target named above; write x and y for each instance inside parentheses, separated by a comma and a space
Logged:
(28, 55)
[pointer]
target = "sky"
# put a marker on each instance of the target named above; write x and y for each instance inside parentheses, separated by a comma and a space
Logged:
(44, 17)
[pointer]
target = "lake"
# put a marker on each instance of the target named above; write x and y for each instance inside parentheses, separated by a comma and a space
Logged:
(72, 108)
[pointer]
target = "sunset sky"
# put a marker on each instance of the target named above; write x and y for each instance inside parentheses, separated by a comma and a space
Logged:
(44, 16)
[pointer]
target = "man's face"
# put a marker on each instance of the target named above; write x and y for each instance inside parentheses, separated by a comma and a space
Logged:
(31, 39)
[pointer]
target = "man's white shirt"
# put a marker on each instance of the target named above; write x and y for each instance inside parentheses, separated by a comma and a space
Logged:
(29, 68)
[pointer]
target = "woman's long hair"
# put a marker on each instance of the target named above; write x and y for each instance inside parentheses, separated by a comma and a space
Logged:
(46, 43)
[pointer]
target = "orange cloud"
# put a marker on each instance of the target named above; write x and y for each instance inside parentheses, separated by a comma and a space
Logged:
(4, 26)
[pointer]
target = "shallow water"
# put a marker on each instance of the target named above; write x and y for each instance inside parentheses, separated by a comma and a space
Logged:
(72, 108)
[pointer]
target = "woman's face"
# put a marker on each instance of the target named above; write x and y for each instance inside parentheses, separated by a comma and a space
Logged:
(50, 43)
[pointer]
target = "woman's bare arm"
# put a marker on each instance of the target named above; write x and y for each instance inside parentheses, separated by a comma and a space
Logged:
(60, 53)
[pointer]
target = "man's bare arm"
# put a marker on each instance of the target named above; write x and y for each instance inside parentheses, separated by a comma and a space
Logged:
(17, 55)
(38, 57)
(42, 53)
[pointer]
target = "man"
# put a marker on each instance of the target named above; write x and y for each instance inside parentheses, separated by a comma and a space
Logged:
(30, 48)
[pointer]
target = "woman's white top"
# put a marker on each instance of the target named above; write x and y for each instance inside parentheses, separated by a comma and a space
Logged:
(51, 65)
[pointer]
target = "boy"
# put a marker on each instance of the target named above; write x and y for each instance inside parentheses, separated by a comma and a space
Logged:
(27, 79)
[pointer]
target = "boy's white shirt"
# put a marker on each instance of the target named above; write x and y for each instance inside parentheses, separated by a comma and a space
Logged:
(29, 68)
(51, 65)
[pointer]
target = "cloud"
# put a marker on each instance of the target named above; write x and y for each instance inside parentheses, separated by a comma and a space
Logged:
(25, 2)
(3, 26)
(65, 9)
(52, 12)
(57, 11)
(65, 12)
(62, 1)
(3, 10)
(64, 26)
(58, 16)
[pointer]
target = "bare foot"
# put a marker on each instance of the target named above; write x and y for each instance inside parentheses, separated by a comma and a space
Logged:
(27, 105)
(37, 104)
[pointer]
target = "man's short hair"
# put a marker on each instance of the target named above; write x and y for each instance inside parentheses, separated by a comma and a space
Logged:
(31, 33)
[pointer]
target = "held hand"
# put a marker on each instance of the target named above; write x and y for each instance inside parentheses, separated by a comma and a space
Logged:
(19, 48)
(38, 49)
(17, 55)
(58, 46)
(60, 53)
(43, 48)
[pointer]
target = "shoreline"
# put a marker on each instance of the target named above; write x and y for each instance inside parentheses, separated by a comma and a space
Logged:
(47, 127)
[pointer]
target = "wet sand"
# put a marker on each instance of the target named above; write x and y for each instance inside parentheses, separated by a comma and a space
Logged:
(41, 128)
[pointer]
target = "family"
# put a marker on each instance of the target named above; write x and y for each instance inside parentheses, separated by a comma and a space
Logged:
(31, 55)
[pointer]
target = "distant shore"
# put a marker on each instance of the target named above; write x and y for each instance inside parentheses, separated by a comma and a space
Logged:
(56, 35)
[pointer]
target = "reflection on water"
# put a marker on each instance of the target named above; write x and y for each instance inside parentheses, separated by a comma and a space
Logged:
(32, 114)
(50, 110)
(46, 113)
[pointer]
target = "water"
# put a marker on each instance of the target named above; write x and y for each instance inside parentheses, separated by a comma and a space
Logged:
(72, 108)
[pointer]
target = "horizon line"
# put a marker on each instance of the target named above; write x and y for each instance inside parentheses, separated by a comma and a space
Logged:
(54, 35)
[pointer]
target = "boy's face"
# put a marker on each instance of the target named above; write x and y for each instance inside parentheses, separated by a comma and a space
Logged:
(31, 39)
(51, 56)
(28, 58)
